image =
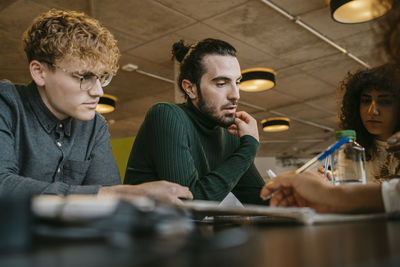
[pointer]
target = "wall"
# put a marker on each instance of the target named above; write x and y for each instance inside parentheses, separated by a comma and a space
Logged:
(121, 149)
(278, 165)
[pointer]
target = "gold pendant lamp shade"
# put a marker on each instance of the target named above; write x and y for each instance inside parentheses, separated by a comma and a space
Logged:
(275, 124)
(257, 79)
(357, 11)
(106, 104)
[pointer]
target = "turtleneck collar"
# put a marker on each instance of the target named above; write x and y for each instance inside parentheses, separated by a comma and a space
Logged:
(199, 117)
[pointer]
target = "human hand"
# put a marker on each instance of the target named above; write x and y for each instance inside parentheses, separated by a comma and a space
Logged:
(300, 190)
(161, 190)
(244, 125)
(393, 143)
(329, 175)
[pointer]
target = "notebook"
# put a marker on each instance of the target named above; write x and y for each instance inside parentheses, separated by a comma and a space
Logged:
(233, 211)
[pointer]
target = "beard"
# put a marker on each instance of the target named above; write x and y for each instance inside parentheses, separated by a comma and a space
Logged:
(212, 112)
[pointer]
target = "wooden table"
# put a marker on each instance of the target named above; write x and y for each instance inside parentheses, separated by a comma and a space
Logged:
(368, 243)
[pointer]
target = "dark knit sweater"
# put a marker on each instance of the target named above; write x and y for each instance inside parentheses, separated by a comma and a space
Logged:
(179, 144)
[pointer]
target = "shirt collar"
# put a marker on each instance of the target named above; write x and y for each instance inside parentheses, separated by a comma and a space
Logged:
(46, 118)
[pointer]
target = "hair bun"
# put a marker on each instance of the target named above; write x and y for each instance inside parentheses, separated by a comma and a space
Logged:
(179, 50)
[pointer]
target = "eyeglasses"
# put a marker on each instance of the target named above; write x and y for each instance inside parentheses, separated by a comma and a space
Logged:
(87, 81)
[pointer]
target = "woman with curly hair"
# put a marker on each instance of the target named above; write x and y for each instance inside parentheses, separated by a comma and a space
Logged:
(371, 107)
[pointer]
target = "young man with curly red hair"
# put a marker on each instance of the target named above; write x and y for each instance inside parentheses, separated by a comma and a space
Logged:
(52, 139)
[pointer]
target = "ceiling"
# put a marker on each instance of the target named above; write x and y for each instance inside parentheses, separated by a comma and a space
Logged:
(308, 69)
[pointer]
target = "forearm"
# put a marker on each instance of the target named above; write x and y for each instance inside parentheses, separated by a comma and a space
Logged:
(14, 185)
(216, 184)
(356, 198)
(249, 186)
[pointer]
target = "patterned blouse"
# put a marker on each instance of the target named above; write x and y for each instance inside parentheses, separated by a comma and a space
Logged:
(384, 165)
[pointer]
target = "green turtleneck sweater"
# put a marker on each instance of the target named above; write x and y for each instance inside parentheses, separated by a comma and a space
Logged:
(178, 143)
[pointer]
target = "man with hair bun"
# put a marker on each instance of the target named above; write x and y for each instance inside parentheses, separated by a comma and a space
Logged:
(52, 140)
(205, 143)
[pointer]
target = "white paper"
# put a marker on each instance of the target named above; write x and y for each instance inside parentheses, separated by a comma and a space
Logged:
(230, 201)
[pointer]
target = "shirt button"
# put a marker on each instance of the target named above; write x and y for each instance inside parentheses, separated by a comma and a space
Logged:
(60, 125)
(58, 144)
(58, 170)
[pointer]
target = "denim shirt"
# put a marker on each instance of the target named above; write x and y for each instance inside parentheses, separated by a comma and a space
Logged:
(40, 154)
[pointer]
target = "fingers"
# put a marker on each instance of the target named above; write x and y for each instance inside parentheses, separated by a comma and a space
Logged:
(269, 188)
(240, 124)
(161, 190)
(183, 192)
(172, 192)
(246, 124)
(283, 184)
(282, 180)
(233, 130)
(265, 191)
(233, 127)
(276, 199)
(174, 200)
(178, 193)
(395, 138)
(394, 143)
(329, 175)
(284, 198)
(243, 116)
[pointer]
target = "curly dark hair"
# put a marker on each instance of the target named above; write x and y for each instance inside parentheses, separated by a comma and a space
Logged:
(383, 78)
(191, 58)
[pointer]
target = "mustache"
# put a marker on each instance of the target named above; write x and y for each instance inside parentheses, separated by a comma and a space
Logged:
(229, 104)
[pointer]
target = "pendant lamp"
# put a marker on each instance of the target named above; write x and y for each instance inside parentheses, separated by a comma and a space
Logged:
(257, 79)
(106, 104)
(275, 124)
(357, 11)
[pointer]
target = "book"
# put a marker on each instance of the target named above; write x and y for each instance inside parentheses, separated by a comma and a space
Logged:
(214, 212)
